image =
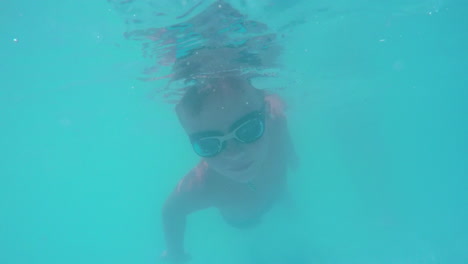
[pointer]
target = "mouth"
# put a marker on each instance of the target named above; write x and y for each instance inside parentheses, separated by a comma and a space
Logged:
(241, 166)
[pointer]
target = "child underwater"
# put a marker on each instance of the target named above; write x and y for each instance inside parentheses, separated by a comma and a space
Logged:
(241, 134)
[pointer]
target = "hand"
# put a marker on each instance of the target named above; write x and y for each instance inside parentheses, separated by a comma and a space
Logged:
(175, 258)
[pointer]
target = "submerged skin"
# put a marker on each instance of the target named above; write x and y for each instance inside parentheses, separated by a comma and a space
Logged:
(244, 180)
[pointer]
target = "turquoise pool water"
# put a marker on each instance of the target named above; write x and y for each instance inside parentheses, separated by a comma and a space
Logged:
(377, 96)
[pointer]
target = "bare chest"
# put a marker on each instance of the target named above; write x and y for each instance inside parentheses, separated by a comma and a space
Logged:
(242, 201)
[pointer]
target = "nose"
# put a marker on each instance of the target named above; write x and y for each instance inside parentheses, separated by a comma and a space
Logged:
(234, 150)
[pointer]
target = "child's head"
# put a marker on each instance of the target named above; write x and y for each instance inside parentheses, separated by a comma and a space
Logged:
(225, 120)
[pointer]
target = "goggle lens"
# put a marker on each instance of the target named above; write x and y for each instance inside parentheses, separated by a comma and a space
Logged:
(250, 131)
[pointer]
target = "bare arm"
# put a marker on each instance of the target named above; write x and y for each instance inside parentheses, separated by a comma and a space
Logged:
(174, 218)
(189, 196)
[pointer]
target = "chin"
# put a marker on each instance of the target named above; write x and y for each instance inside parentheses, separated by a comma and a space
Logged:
(243, 176)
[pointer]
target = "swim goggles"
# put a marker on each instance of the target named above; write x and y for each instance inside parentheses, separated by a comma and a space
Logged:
(247, 129)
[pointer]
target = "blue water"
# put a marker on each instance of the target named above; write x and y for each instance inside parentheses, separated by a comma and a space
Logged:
(377, 96)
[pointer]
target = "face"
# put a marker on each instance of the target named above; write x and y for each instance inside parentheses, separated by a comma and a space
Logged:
(230, 115)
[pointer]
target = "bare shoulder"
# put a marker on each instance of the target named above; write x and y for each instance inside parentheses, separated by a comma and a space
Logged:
(191, 192)
(195, 180)
(278, 121)
(275, 106)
